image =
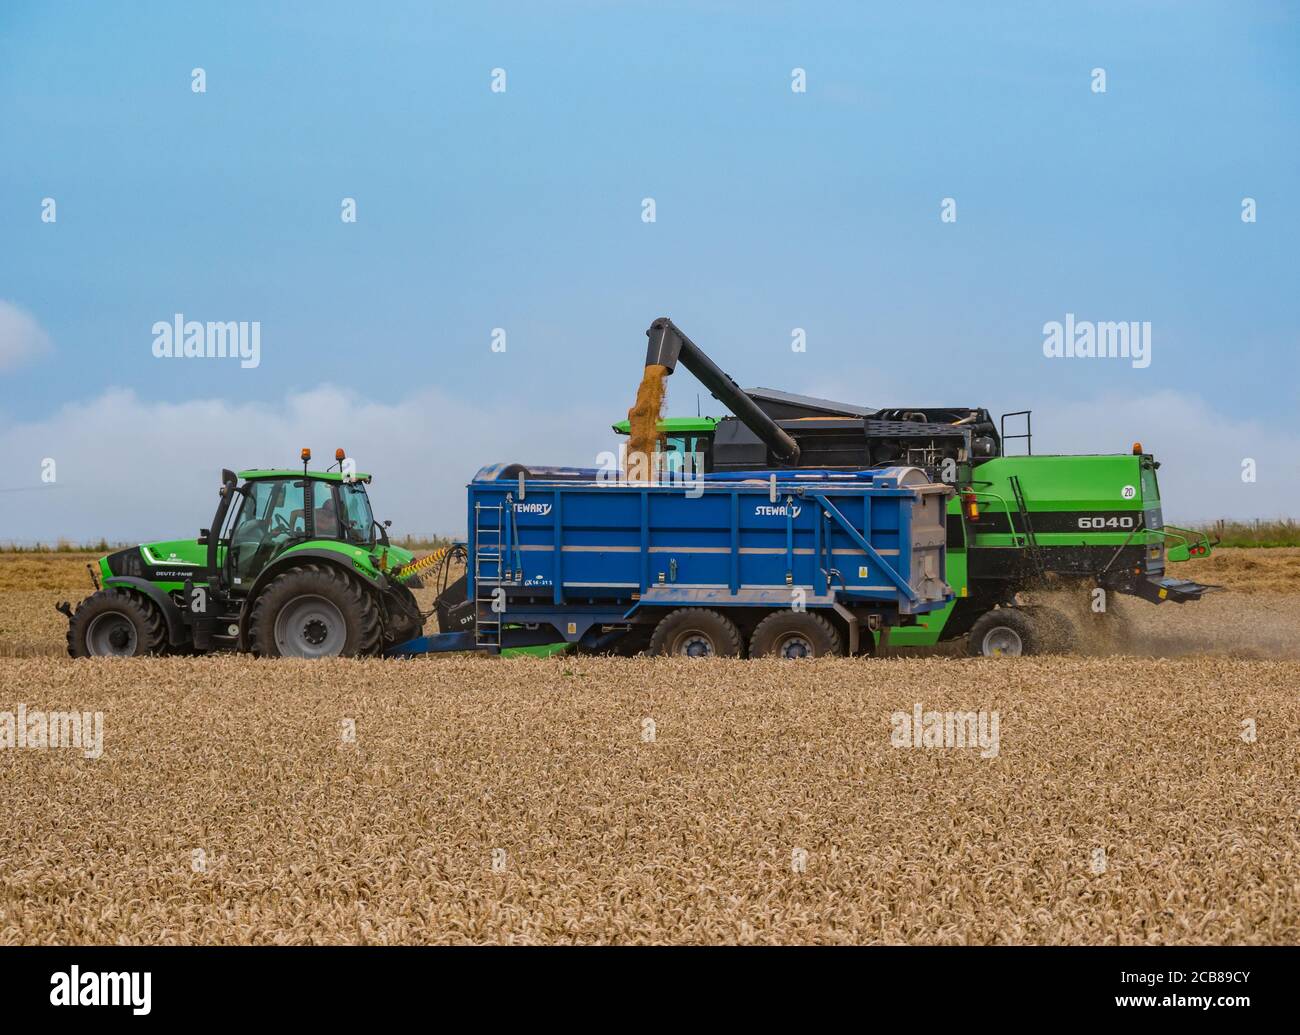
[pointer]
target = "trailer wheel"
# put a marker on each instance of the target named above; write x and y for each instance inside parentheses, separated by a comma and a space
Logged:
(315, 611)
(1006, 632)
(696, 632)
(794, 634)
(116, 623)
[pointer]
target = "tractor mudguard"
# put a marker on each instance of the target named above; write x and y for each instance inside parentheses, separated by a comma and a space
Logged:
(176, 632)
(294, 560)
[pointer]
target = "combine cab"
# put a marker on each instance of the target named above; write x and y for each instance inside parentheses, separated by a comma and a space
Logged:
(294, 565)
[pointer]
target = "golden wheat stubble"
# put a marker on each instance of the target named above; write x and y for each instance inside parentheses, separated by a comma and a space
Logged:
(688, 837)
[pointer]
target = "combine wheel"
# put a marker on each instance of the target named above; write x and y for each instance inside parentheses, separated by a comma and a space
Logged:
(1007, 632)
(116, 623)
(315, 611)
(696, 632)
(794, 634)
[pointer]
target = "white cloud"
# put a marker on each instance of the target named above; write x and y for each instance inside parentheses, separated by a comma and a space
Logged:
(128, 469)
(1200, 451)
(21, 337)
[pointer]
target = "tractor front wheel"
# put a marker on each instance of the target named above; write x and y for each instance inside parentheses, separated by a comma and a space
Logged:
(315, 611)
(116, 623)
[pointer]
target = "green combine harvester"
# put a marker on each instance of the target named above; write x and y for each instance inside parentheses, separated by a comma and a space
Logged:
(1016, 524)
(294, 565)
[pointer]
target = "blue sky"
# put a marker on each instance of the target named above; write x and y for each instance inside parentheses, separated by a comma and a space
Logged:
(522, 210)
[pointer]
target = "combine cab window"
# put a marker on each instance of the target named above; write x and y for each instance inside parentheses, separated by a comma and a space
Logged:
(677, 448)
(1151, 498)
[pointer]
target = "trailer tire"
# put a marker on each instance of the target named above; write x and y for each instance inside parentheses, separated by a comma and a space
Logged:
(315, 611)
(1006, 632)
(116, 623)
(696, 632)
(794, 634)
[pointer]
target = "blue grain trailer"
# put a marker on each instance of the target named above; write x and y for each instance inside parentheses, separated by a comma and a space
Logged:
(786, 563)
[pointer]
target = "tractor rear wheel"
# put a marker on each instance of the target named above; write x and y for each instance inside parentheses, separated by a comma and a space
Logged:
(116, 623)
(696, 632)
(315, 611)
(1007, 632)
(794, 634)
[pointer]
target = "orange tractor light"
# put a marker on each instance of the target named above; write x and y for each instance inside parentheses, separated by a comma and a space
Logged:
(970, 506)
(1137, 448)
(306, 455)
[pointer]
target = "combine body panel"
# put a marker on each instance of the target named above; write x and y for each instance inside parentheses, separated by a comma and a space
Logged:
(1092, 516)
(1078, 512)
(1096, 518)
(586, 561)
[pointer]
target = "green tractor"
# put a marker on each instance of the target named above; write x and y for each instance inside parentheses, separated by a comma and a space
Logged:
(294, 565)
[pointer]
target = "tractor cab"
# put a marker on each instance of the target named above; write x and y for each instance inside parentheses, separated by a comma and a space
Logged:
(277, 509)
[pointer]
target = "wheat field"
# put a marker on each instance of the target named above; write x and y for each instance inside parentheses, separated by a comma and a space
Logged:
(1125, 798)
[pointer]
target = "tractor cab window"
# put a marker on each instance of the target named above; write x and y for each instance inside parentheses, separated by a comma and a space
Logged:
(326, 517)
(271, 515)
(358, 521)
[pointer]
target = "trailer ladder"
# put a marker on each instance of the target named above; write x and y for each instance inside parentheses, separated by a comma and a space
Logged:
(490, 573)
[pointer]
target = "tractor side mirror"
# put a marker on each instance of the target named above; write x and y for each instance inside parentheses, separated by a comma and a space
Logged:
(204, 533)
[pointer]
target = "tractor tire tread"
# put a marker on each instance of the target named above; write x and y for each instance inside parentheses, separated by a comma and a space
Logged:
(358, 601)
(151, 629)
